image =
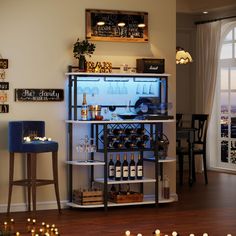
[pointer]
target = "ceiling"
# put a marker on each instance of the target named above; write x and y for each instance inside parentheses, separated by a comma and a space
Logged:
(198, 6)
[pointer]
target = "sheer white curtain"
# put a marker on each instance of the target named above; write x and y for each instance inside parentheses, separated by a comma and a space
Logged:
(207, 57)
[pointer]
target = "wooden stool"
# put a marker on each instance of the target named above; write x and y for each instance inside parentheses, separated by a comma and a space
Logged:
(17, 131)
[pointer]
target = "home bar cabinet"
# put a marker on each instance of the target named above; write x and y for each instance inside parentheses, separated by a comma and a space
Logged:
(129, 102)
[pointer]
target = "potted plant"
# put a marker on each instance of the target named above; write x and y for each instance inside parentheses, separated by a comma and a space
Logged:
(82, 48)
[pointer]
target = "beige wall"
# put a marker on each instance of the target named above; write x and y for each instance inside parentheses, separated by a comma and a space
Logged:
(37, 38)
(185, 74)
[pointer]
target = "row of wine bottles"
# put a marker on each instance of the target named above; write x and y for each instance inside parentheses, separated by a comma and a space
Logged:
(122, 141)
(125, 170)
(126, 131)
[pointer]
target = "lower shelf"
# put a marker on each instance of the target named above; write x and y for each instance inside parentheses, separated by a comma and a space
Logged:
(148, 199)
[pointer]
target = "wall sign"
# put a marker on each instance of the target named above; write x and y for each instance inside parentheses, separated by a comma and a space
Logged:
(3, 63)
(39, 95)
(110, 25)
(4, 108)
(4, 86)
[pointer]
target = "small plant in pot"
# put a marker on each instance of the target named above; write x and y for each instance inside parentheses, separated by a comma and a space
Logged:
(82, 48)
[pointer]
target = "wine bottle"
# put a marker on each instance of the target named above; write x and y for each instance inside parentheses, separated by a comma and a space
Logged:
(125, 168)
(118, 168)
(110, 138)
(139, 167)
(117, 132)
(145, 138)
(140, 144)
(140, 131)
(84, 108)
(133, 138)
(111, 168)
(129, 144)
(117, 145)
(113, 188)
(166, 188)
(129, 131)
(132, 168)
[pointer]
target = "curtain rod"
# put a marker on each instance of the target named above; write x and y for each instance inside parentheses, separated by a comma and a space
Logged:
(217, 19)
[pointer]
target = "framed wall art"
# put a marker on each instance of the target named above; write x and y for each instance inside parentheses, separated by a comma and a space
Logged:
(120, 26)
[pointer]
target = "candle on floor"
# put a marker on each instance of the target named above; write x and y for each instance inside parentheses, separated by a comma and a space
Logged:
(174, 233)
(5, 226)
(157, 232)
(127, 233)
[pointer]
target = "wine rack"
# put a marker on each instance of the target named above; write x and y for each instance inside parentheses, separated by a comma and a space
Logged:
(116, 136)
(121, 137)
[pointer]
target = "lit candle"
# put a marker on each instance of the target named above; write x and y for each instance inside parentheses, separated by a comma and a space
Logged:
(12, 225)
(205, 234)
(191, 234)
(32, 232)
(28, 228)
(5, 226)
(17, 233)
(174, 233)
(157, 232)
(139, 234)
(27, 139)
(127, 233)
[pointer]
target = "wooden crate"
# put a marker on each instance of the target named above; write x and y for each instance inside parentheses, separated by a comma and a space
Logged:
(88, 197)
(123, 197)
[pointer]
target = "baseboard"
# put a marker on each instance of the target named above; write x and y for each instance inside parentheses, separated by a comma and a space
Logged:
(21, 207)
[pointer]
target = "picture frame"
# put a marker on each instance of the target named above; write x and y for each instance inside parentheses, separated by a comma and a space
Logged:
(116, 26)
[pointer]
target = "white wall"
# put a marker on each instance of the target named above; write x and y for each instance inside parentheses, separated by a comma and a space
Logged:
(37, 38)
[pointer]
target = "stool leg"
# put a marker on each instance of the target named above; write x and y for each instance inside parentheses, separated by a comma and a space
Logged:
(55, 178)
(11, 176)
(33, 179)
(29, 180)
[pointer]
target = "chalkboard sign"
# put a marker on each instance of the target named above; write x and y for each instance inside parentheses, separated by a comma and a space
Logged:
(4, 86)
(4, 108)
(109, 25)
(39, 95)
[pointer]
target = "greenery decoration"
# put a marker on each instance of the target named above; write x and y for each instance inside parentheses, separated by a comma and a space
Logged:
(83, 48)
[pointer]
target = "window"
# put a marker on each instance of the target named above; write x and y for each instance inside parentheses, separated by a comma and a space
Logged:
(227, 99)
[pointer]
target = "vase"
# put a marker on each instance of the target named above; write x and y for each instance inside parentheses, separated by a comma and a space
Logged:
(82, 63)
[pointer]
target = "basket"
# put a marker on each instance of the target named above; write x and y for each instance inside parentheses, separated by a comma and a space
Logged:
(88, 197)
(123, 197)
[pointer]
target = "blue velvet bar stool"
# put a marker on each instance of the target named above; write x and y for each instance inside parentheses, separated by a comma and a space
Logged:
(17, 130)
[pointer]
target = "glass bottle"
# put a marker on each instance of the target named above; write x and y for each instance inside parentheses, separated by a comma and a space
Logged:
(118, 168)
(84, 108)
(125, 168)
(132, 168)
(111, 168)
(139, 167)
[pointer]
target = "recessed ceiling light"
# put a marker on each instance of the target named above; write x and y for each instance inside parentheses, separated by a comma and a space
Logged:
(205, 12)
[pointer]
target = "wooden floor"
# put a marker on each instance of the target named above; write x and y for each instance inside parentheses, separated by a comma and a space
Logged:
(200, 209)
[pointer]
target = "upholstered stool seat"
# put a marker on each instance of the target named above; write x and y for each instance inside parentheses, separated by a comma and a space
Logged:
(18, 131)
(40, 146)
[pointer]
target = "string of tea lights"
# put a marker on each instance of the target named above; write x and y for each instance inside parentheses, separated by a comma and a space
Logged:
(157, 232)
(31, 229)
